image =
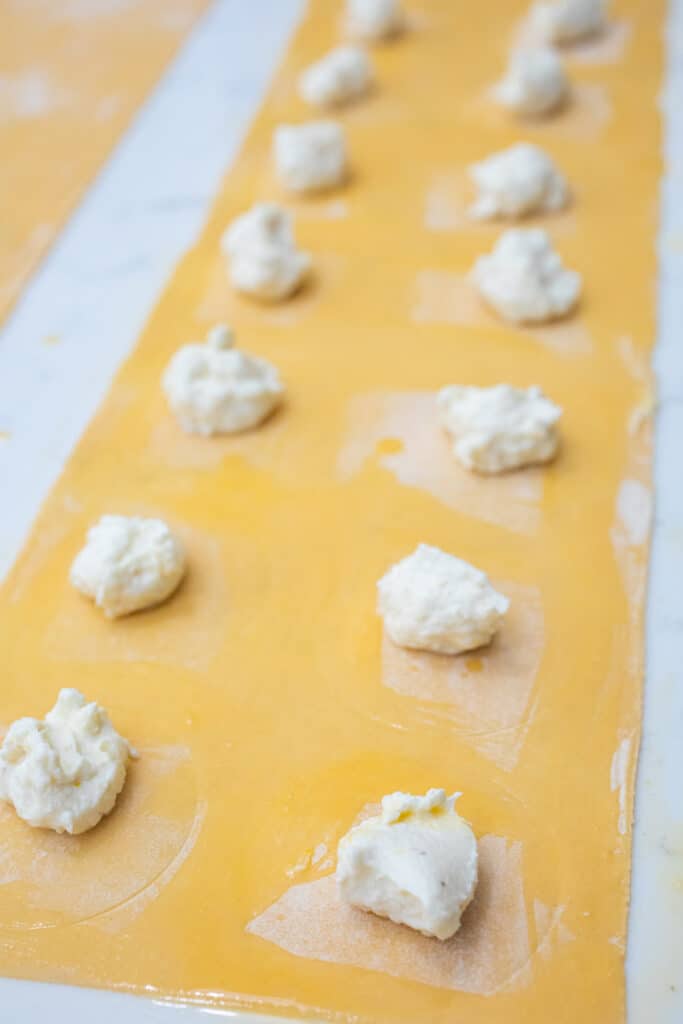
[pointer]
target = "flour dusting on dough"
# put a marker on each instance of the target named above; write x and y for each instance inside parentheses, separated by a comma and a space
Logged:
(446, 203)
(423, 459)
(489, 953)
(589, 114)
(487, 694)
(619, 774)
(636, 362)
(551, 932)
(629, 535)
(584, 117)
(606, 47)
(194, 616)
(444, 297)
(108, 108)
(29, 95)
(60, 879)
(450, 194)
(118, 917)
(634, 511)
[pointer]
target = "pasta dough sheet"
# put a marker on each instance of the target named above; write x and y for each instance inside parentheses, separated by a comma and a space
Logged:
(266, 703)
(487, 955)
(73, 74)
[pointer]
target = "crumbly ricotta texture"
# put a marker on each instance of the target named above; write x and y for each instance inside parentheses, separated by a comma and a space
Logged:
(310, 157)
(339, 77)
(64, 773)
(535, 83)
(567, 21)
(517, 182)
(263, 260)
(433, 601)
(128, 563)
(499, 428)
(524, 280)
(212, 388)
(415, 863)
(374, 19)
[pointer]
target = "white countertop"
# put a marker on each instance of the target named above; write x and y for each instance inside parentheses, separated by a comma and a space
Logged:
(83, 312)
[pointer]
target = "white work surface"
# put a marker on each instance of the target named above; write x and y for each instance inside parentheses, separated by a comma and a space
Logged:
(94, 293)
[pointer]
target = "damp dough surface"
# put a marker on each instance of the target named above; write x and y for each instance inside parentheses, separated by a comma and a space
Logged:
(72, 74)
(266, 707)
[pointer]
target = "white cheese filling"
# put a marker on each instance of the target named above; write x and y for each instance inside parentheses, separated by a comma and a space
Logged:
(535, 83)
(64, 773)
(567, 21)
(374, 19)
(433, 601)
(339, 77)
(128, 563)
(212, 388)
(310, 157)
(517, 182)
(263, 260)
(415, 863)
(499, 428)
(524, 280)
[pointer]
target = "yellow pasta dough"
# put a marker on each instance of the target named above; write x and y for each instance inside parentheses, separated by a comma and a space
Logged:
(267, 707)
(73, 72)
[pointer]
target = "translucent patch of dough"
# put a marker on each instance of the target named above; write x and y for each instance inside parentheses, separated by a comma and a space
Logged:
(446, 201)
(551, 931)
(629, 535)
(450, 194)
(619, 780)
(489, 954)
(75, 10)
(636, 362)
(640, 420)
(187, 631)
(607, 47)
(633, 511)
(273, 449)
(327, 209)
(51, 880)
(583, 118)
(448, 298)
(487, 695)
(30, 95)
(424, 459)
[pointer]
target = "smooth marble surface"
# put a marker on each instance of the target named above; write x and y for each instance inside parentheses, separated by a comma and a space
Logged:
(655, 945)
(82, 314)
